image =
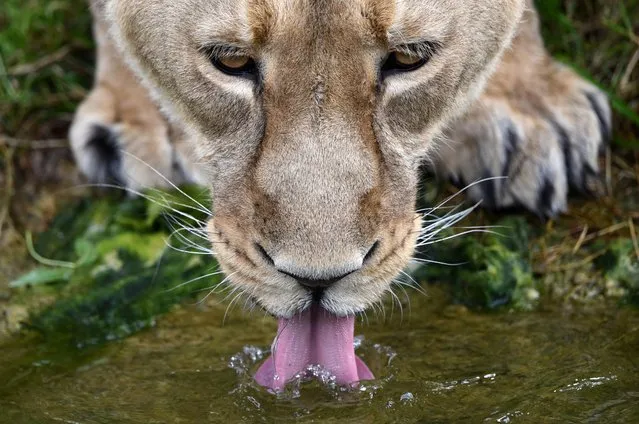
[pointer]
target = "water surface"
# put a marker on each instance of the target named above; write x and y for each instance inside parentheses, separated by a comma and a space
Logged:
(439, 363)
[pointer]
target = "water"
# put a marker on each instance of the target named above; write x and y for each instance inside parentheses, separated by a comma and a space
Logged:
(438, 364)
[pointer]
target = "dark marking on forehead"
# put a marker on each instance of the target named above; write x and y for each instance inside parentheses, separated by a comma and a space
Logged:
(321, 17)
(379, 14)
(261, 18)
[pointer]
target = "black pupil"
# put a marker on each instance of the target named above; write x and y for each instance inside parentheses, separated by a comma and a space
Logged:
(392, 64)
(247, 68)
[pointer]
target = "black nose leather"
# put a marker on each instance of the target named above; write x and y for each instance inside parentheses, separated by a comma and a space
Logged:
(316, 284)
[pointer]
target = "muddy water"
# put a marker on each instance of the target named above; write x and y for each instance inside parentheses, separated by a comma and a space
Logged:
(437, 364)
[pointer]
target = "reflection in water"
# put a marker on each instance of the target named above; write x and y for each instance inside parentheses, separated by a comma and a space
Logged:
(585, 383)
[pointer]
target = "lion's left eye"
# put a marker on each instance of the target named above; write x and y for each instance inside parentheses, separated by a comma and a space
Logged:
(235, 65)
(402, 62)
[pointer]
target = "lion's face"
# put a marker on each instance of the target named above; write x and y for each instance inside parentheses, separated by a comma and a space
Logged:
(312, 118)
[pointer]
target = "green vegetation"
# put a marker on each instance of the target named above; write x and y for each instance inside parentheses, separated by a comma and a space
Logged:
(600, 40)
(487, 271)
(620, 268)
(512, 266)
(45, 64)
(112, 265)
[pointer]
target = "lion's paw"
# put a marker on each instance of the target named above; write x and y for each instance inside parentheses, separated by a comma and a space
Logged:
(530, 145)
(131, 150)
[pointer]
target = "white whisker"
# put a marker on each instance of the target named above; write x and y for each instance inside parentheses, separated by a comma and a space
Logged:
(399, 304)
(429, 242)
(430, 261)
(363, 317)
(149, 198)
(188, 242)
(204, 209)
(483, 180)
(230, 305)
(215, 287)
(190, 252)
(198, 208)
(197, 232)
(406, 296)
(216, 272)
(415, 285)
(382, 308)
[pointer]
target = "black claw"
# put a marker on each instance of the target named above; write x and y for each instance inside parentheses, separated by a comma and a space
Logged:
(104, 145)
(511, 142)
(511, 145)
(489, 188)
(564, 140)
(454, 180)
(591, 181)
(604, 127)
(457, 181)
(544, 201)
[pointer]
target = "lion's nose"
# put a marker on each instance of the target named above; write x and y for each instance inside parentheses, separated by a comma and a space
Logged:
(315, 284)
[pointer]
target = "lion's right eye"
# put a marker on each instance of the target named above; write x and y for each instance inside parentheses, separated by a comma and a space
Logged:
(409, 57)
(235, 65)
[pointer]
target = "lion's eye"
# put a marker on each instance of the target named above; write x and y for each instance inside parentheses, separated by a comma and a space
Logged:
(409, 57)
(402, 62)
(235, 65)
(407, 60)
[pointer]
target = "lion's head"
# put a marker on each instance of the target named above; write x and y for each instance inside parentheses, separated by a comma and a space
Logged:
(311, 119)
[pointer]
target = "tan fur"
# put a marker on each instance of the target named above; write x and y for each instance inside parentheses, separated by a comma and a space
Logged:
(118, 102)
(557, 120)
(318, 161)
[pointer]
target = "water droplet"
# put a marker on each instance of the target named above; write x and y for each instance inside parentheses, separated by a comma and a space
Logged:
(407, 397)
(254, 401)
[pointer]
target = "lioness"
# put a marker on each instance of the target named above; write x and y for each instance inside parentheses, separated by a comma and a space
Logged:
(309, 120)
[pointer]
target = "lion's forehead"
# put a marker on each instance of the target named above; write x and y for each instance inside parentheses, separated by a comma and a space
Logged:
(273, 22)
(319, 20)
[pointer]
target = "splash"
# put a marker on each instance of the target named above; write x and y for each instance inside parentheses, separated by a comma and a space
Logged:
(246, 362)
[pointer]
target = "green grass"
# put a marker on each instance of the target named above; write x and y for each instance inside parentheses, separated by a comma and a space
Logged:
(45, 63)
(600, 39)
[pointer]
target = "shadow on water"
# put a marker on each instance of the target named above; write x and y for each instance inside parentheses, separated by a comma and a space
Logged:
(439, 364)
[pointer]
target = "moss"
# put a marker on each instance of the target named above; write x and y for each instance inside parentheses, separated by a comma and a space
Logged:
(119, 270)
(620, 268)
(489, 271)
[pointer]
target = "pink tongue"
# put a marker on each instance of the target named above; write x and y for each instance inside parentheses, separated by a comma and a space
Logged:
(313, 337)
